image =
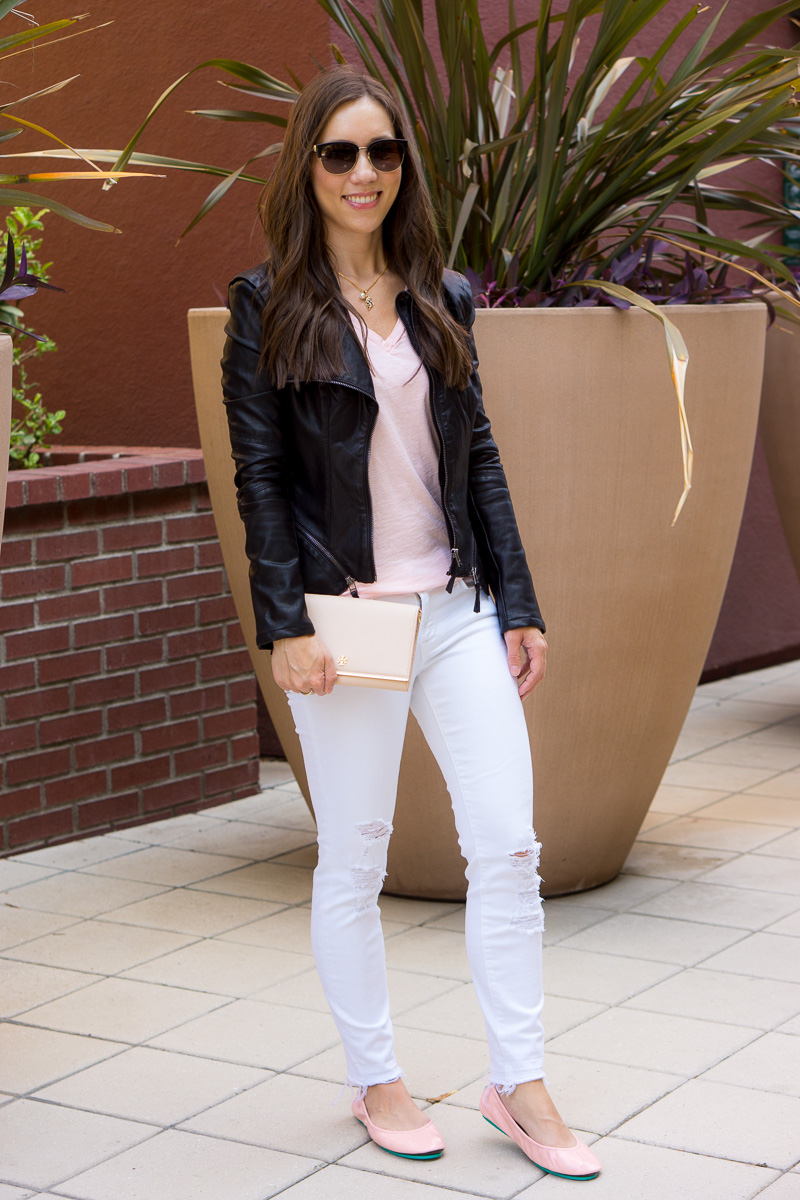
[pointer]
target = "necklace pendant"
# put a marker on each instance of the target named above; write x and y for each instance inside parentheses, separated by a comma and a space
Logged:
(368, 301)
(362, 295)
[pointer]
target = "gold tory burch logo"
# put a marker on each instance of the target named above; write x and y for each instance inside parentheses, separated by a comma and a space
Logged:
(341, 660)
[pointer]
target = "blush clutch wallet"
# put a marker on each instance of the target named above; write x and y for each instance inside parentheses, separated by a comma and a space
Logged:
(373, 642)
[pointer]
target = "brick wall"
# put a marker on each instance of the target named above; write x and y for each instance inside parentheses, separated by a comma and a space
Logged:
(126, 691)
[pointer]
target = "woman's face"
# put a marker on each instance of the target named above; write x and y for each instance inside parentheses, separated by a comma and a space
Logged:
(358, 201)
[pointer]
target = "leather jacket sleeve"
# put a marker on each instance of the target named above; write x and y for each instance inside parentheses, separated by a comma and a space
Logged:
(492, 513)
(256, 425)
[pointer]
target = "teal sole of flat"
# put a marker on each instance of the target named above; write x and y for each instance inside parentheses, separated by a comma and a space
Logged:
(560, 1175)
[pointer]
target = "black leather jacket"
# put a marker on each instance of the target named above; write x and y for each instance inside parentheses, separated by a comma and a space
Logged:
(301, 474)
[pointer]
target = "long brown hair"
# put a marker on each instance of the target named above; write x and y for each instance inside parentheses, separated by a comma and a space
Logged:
(305, 312)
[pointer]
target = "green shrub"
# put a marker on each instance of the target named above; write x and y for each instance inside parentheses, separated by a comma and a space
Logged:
(33, 426)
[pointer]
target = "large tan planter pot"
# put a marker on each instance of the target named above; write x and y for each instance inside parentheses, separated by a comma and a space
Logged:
(5, 419)
(585, 415)
(780, 426)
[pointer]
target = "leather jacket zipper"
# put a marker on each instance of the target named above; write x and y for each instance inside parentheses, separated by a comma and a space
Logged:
(309, 537)
(455, 560)
(370, 431)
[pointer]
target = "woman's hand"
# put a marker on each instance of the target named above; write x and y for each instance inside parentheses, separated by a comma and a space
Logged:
(303, 664)
(526, 648)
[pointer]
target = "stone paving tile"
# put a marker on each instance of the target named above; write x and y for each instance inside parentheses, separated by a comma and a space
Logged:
(632, 1169)
(255, 1034)
(602, 977)
(786, 785)
(150, 1085)
(430, 952)
(788, 925)
(710, 995)
(97, 946)
(289, 929)
(201, 913)
(20, 925)
(456, 1012)
(782, 734)
(745, 753)
(722, 1120)
(417, 912)
(617, 896)
(273, 772)
(45, 1143)
(787, 1187)
(759, 872)
(680, 800)
(653, 819)
(288, 1113)
(765, 955)
(124, 1009)
(660, 1041)
(14, 874)
(305, 857)
(25, 985)
(161, 833)
(407, 989)
(164, 864)
(673, 862)
(744, 806)
(792, 1026)
(261, 881)
(691, 773)
(224, 968)
(184, 1166)
(435, 1063)
(247, 840)
(31, 1057)
(590, 1095)
(276, 807)
(659, 938)
(714, 835)
(770, 1064)
(685, 962)
(342, 1183)
(688, 745)
(715, 904)
(478, 1159)
(76, 894)
(74, 856)
(787, 846)
(13, 1193)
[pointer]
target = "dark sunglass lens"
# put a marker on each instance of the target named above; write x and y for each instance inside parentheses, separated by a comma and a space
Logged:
(338, 157)
(386, 155)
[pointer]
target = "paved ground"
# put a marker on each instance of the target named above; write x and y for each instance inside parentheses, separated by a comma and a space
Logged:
(167, 1038)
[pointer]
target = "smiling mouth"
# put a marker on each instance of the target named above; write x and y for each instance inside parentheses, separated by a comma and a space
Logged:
(362, 201)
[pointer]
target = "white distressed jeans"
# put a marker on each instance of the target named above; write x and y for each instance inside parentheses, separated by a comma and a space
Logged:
(468, 707)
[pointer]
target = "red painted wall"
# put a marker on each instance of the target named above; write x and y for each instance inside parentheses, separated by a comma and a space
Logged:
(122, 366)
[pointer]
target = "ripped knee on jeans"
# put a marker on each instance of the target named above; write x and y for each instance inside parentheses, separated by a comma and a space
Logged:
(368, 877)
(529, 916)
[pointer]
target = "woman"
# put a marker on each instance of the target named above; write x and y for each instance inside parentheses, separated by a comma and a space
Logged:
(365, 462)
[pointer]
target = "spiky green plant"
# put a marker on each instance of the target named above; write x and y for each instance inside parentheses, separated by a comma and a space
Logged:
(13, 185)
(520, 161)
(545, 176)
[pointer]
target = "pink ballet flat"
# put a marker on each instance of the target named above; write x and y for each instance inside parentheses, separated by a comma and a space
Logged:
(425, 1142)
(570, 1162)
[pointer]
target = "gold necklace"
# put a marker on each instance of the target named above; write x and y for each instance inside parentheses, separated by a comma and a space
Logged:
(363, 293)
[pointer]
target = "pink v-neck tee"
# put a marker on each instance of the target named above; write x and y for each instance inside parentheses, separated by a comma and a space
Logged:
(409, 534)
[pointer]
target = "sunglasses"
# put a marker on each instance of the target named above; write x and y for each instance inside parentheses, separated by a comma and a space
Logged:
(384, 154)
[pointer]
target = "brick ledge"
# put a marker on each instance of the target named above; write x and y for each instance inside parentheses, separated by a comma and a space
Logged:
(84, 472)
